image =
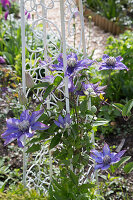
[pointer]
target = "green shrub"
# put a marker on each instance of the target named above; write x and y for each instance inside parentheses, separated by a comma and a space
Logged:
(20, 193)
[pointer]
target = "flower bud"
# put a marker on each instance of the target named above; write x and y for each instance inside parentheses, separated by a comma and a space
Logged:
(21, 97)
(29, 80)
(2, 60)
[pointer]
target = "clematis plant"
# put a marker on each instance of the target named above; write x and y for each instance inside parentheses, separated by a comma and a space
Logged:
(77, 125)
(23, 127)
(105, 159)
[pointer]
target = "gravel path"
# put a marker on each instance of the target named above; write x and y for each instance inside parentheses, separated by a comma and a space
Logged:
(95, 37)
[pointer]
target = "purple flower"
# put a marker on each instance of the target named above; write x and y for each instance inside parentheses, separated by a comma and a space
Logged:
(71, 86)
(63, 122)
(2, 60)
(27, 14)
(93, 89)
(112, 63)
(105, 159)
(6, 4)
(73, 64)
(6, 14)
(25, 126)
(76, 12)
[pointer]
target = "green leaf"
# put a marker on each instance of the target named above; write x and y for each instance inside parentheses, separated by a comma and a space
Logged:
(52, 128)
(39, 85)
(93, 109)
(1, 161)
(100, 122)
(128, 167)
(122, 161)
(75, 129)
(9, 57)
(34, 148)
(43, 118)
(55, 140)
(118, 106)
(73, 177)
(83, 106)
(57, 81)
(61, 105)
(33, 141)
(48, 91)
(75, 159)
(85, 187)
(127, 108)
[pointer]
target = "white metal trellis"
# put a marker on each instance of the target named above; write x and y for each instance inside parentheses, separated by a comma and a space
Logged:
(42, 29)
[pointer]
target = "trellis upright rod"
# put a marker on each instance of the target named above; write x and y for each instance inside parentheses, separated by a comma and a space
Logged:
(64, 53)
(82, 27)
(44, 15)
(23, 81)
(85, 55)
(65, 60)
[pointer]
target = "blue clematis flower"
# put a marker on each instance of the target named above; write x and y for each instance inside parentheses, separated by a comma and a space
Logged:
(73, 64)
(105, 159)
(112, 63)
(91, 89)
(63, 122)
(25, 126)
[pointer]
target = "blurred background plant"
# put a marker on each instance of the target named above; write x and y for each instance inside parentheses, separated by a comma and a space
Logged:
(120, 11)
(20, 193)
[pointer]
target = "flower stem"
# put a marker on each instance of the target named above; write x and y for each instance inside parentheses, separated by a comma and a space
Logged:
(93, 142)
(40, 102)
(24, 163)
